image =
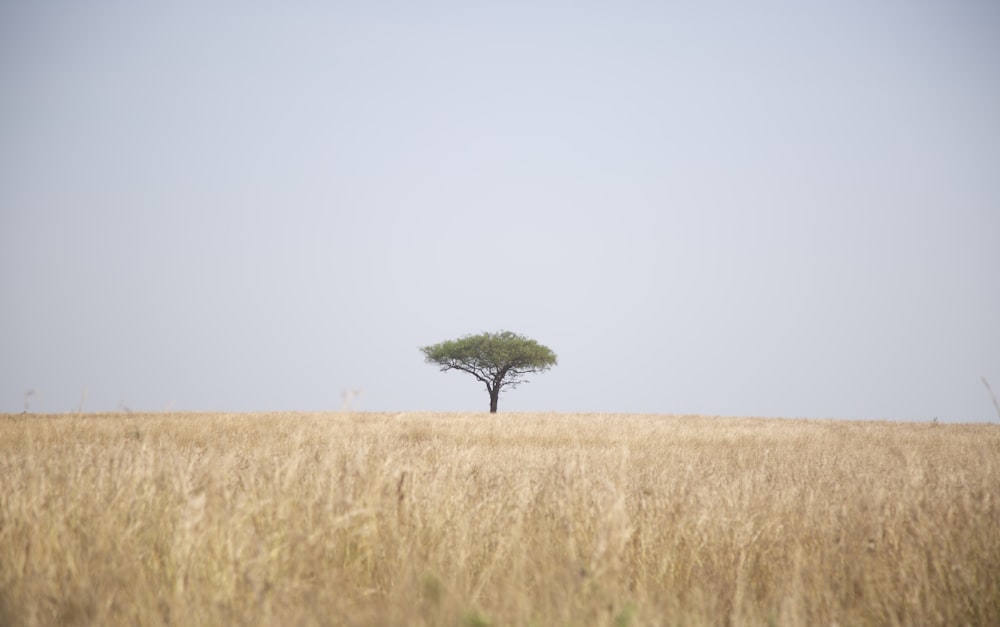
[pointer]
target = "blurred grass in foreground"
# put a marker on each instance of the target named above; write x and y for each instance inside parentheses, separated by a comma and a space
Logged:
(512, 519)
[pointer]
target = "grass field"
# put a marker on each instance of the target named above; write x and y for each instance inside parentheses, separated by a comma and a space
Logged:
(510, 519)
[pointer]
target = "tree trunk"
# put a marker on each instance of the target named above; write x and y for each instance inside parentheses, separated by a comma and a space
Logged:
(494, 399)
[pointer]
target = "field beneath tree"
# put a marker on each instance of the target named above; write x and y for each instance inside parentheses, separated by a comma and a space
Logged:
(510, 519)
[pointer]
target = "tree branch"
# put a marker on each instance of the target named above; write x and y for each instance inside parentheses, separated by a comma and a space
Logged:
(476, 372)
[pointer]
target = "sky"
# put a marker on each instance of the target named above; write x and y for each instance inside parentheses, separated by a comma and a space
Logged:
(781, 209)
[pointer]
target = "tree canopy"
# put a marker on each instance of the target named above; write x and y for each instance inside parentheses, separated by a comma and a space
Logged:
(499, 360)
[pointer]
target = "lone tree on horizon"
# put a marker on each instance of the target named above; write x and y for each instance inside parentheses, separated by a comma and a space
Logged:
(500, 360)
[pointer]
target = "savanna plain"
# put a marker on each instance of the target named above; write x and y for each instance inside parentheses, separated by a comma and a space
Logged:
(508, 519)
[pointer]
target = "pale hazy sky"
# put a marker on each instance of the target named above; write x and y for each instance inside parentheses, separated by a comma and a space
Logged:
(738, 208)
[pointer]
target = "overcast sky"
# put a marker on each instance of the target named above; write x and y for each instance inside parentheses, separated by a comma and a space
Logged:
(747, 208)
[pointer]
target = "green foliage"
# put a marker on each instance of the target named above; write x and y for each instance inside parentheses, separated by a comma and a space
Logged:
(499, 360)
(490, 353)
(624, 617)
(476, 619)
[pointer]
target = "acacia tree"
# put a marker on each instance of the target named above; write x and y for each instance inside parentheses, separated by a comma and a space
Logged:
(499, 360)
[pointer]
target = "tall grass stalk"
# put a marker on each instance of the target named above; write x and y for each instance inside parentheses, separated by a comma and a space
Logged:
(993, 396)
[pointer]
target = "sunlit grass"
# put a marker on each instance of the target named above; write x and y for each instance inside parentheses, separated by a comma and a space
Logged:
(512, 519)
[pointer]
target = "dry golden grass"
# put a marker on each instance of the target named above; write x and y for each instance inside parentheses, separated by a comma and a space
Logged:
(512, 519)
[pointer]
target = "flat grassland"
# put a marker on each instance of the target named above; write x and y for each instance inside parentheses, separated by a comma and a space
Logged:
(510, 519)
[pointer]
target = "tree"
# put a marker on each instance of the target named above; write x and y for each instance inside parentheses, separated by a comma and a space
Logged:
(500, 360)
